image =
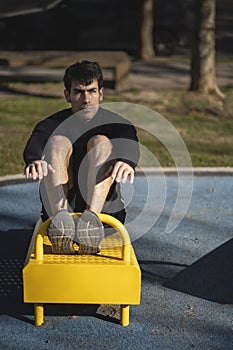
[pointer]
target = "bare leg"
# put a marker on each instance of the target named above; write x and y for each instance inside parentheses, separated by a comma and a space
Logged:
(61, 229)
(99, 172)
(89, 229)
(58, 153)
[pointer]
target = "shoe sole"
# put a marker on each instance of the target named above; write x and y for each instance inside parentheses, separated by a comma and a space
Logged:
(62, 245)
(89, 239)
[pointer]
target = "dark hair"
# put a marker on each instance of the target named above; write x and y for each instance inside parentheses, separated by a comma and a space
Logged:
(84, 72)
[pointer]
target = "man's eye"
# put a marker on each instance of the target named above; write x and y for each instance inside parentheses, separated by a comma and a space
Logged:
(80, 91)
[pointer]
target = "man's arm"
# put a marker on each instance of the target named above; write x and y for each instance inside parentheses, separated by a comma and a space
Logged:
(36, 167)
(126, 149)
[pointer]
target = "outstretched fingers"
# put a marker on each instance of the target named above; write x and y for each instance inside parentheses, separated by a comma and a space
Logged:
(38, 170)
(122, 171)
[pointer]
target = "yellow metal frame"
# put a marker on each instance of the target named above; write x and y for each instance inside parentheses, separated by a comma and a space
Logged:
(112, 276)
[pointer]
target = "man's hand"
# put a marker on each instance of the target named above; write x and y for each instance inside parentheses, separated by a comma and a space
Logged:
(121, 171)
(38, 169)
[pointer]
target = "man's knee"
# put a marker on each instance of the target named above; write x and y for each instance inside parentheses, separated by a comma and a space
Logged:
(59, 143)
(99, 142)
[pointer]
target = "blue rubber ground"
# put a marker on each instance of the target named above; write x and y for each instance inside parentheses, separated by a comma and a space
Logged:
(187, 277)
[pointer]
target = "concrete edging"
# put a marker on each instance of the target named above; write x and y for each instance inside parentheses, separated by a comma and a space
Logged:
(186, 171)
(217, 171)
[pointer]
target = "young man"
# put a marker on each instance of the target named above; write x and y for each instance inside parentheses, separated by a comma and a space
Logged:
(80, 155)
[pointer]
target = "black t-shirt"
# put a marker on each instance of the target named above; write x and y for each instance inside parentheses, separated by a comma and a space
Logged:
(118, 129)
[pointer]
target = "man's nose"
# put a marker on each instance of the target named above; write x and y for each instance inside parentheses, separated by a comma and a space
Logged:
(86, 96)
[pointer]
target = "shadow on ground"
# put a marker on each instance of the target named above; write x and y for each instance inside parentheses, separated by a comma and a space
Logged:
(13, 248)
(211, 277)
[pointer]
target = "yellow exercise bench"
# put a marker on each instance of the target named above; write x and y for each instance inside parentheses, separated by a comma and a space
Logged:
(112, 276)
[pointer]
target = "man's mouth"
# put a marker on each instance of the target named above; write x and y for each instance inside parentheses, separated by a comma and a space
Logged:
(89, 108)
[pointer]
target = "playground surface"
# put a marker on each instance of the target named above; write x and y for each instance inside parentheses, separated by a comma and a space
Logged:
(187, 276)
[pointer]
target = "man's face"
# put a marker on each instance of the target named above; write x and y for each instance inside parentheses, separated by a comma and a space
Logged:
(84, 98)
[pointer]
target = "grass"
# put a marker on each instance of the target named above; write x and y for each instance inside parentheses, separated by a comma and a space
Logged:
(17, 118)
(204, 123)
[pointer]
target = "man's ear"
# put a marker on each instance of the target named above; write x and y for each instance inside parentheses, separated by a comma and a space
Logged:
(101, 92)
(67, 95)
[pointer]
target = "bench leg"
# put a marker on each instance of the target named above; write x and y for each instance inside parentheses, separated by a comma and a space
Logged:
(124, 315)
(39, 314)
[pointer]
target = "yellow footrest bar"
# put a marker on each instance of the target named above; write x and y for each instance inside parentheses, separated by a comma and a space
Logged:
(112, 276)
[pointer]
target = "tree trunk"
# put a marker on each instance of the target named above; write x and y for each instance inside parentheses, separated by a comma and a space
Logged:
(146, 50)
(203, 76)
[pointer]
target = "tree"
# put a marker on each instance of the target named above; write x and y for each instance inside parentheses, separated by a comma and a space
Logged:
(146, 50)
(203, 76)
